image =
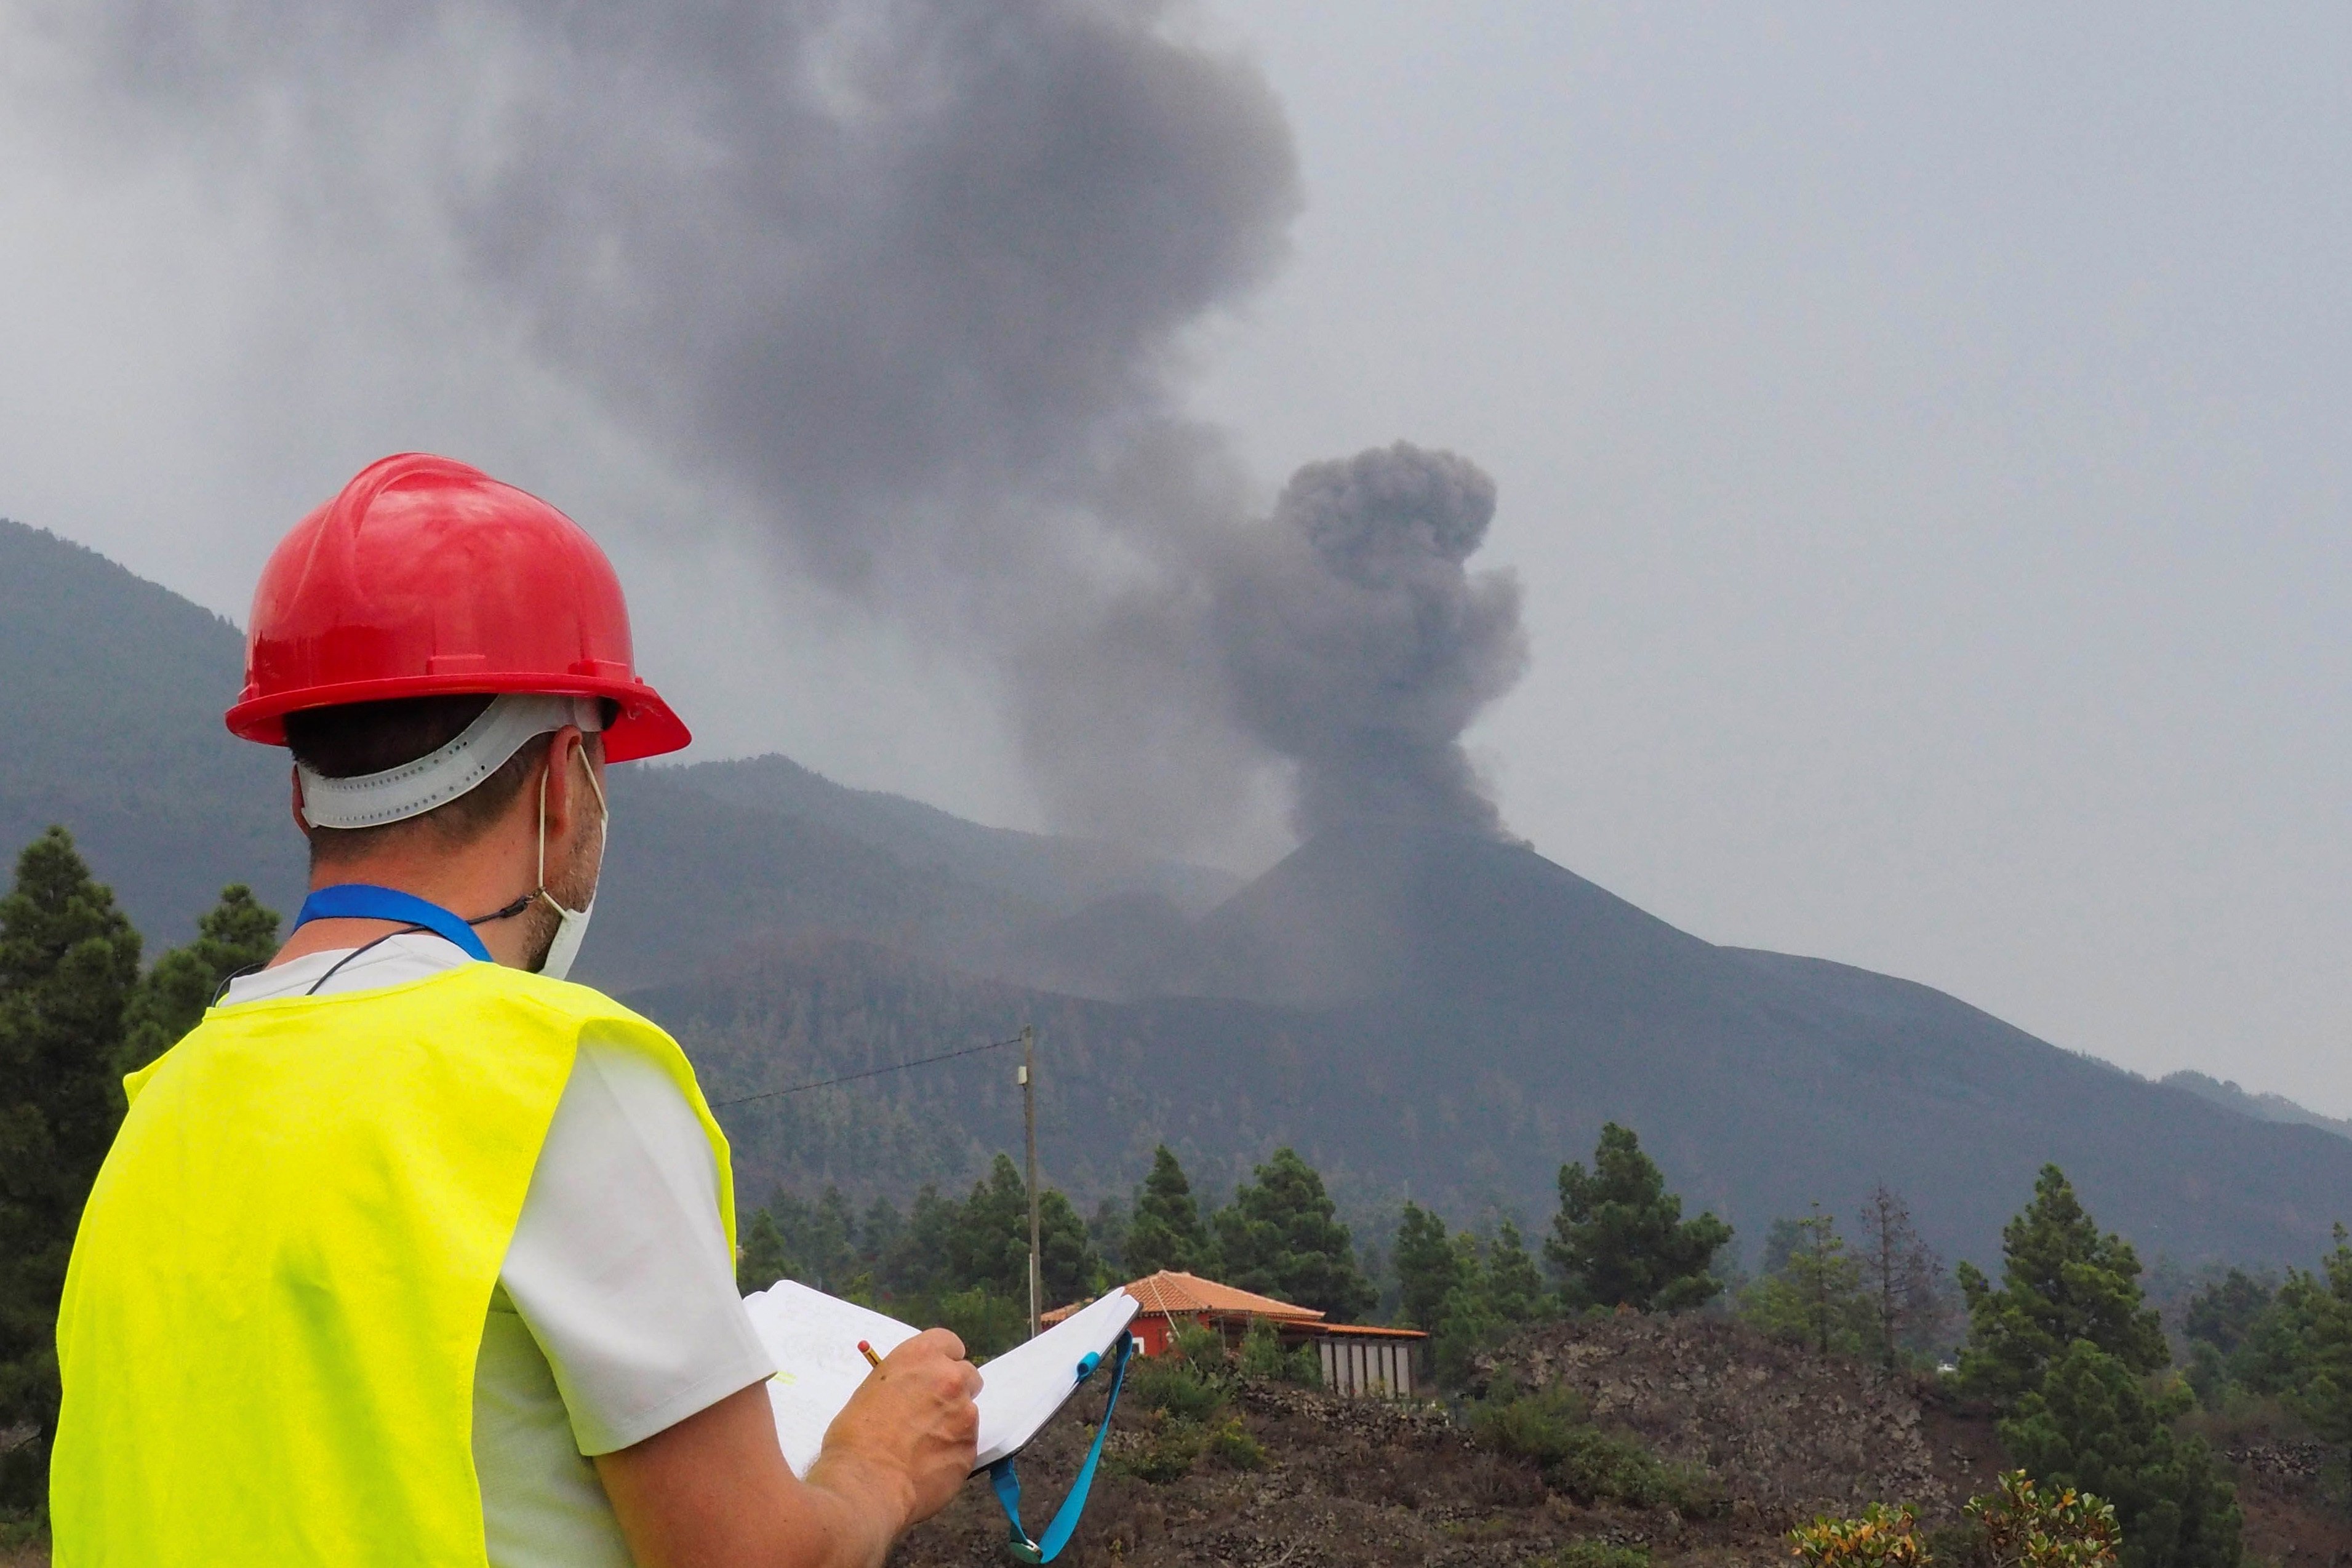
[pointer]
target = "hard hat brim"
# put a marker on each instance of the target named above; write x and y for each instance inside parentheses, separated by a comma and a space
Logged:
(646, 726)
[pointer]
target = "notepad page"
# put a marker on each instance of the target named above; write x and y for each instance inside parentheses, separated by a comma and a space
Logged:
(814, 1339)
(1021, 1389)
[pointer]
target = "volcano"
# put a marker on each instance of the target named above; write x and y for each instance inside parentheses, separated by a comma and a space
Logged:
(1476, 1012)
(1423, 1013)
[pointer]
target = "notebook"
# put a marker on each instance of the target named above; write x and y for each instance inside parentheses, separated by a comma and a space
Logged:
(814, 1339)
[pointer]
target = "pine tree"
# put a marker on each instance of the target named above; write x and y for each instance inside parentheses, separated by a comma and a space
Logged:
(2092, 1426)
(235, 935)
(1619, 1238)
(1428, 1268)
(1468, 1321)
(877, 1235)
(829, 1250)
(1814, 1294)
(761, 1258)
(2319, 1389)
(792, 1214)
(921, 1260)
(1513, 1284)
(1107, 1228)
(2061, 1280)
(1281, 1238)
(68, 960)
(1902, 1276)
(2224, 1314)
(1165, 1231)
(1495, 1289)
(988, 1246)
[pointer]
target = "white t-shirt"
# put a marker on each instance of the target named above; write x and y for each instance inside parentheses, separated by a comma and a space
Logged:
(615, 1314)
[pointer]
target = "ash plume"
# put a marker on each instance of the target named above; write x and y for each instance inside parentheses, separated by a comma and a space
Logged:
(907, 282)
(1361, 648)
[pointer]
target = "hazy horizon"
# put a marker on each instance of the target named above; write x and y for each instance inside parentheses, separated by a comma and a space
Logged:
(1917, 441)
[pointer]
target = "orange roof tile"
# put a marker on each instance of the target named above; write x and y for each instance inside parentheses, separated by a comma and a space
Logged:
(1173, 1293)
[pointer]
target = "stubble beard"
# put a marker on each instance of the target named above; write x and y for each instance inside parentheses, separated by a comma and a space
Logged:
(574, 886)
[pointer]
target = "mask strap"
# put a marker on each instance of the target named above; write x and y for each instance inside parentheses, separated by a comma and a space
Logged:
(604, 816)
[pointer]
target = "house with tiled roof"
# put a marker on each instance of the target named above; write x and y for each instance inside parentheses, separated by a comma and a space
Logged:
(1356, 1358)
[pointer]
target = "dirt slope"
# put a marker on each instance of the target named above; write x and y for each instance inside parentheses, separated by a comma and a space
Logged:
(1783, 1434)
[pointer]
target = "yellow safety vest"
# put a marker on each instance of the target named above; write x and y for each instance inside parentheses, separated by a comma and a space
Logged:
(271, 1321)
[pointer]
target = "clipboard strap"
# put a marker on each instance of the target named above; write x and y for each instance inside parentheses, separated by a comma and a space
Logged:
(1007, 1485)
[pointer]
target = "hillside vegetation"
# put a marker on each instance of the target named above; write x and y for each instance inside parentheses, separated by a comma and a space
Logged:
(1434, 1016)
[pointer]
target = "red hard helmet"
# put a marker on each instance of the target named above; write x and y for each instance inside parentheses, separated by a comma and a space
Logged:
(427, 578)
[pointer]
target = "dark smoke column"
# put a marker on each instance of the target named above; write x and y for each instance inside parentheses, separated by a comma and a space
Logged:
(1360, 646)
(904, 290)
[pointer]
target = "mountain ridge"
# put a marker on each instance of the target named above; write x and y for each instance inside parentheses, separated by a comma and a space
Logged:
(1422, 1012)
(2262, 1107)
(113, 707)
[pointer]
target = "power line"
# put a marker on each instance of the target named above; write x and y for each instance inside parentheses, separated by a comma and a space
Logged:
(870, 1072)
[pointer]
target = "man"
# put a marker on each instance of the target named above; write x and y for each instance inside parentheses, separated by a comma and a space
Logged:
(412, 1252)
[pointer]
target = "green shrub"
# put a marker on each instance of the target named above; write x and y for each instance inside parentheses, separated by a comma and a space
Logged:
(1168, 1457)
(1591, 1554)
(1551, 1428)
(1175, 1387)
(1232, 1444)
(1539, 1426)
(1203, 1349)
(1263, 1360)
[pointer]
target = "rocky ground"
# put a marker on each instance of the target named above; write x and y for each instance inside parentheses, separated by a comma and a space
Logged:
(2293, 1494)
(1780, 1434)
(1304, 1479)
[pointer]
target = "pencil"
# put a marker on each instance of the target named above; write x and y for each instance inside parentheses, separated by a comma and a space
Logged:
(871, 1358)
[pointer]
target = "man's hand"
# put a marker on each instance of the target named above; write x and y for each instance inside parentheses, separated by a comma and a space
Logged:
(714, 1491)
(911, 1426)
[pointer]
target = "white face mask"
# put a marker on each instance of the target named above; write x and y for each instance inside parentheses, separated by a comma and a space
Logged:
(570, 925)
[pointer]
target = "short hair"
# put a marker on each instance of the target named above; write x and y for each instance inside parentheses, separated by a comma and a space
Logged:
(359, 738)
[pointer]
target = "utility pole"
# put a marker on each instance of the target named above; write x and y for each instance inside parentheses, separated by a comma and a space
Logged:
(1029, 1118)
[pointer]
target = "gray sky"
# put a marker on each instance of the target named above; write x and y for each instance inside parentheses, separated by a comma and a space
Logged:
(1920, 442)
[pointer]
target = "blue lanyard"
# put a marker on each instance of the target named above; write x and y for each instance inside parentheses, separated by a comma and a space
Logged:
(365, 901)
(1065, 1519)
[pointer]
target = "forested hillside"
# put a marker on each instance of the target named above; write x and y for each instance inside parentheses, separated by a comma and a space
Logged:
(1777, 1082)
(111, 695)
(112, 706)
(1433, 1016)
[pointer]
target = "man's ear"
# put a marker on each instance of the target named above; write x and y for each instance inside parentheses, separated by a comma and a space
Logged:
(562, 782)
(301, 823)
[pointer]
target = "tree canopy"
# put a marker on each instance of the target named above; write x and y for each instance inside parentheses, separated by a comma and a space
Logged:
(2093, 1425)
(1165, 1231)
(236, 934)
(68, 964)
(1281, 1236)
(1811, 1292)
(2061, 1280)
(2224, 1314)
(1427, 1268)
(1619, 1238)
(2300, 1349)
(988, 1245)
